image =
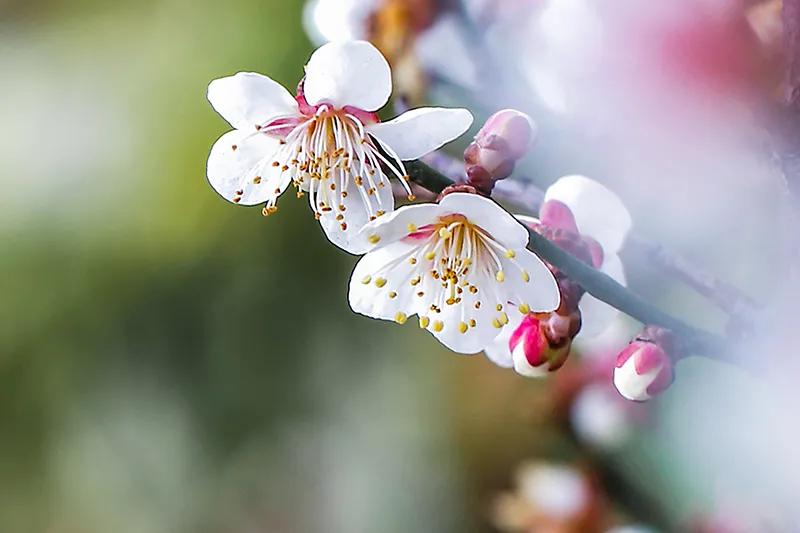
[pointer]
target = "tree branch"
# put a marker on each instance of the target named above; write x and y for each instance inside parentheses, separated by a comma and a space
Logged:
(596, 283)
(527, 198)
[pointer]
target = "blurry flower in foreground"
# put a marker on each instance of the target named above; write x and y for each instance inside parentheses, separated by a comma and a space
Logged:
(461, 265)
(500, 143)
(327, 142)
(644, 368)
(549, 498)
(591, 222)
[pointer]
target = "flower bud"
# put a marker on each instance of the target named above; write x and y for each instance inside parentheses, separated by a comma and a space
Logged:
(556, 215)
(644, 367)
(499, 144)
(542, 342)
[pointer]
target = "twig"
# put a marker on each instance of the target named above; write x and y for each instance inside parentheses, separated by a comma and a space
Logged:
(724, 295)
(596, 283)
(527, 198)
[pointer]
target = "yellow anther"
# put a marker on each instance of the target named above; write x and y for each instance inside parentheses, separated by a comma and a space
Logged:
(424, 321)
(443, 233)
(392, 294)
(438, 326)
(496, 323)
(411, 228)
(415, 281)
(380, 282)
(525, 276)
(511, 254)
(500, 276)
(400, 317)
(374, 238)
(463, 327)
(472, 323)
(499, 307)
(503, 318)
(524, 309)
(412, 260)
(430, 255)
(366, 280)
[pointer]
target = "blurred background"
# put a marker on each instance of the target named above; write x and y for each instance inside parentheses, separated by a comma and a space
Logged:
(172, 363)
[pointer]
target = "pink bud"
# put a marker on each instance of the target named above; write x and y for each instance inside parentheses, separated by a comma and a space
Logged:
(541, 345)
(557, 215)
(502, 140)
(643, 369)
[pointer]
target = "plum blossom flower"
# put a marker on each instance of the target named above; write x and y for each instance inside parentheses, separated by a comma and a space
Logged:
(461, 265)
(327, 142)
(601, 216)
(583, 207)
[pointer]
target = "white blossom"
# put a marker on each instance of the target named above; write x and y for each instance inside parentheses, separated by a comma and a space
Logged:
(327, 142)
(461, 265)
(600, 215)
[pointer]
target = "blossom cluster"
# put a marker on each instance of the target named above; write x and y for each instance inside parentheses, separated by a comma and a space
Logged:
(460, 265)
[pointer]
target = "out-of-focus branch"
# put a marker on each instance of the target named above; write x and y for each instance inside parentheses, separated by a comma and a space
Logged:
(527, 198)
(603, 287)
(724, 295)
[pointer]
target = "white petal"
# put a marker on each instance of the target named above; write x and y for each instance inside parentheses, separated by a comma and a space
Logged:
(597, 315)
(379, 274)
(489, 216)
(498, 351)
(232, 172)
(353, 239)
(350, 73)
(599, 212)
(540, 292)
(248, 99)
(395, 225)
(421, 131)
(457, 331)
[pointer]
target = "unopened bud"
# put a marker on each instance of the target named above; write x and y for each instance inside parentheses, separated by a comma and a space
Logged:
(542, 342)
(556, 215)
(644, 367)
(500, 143)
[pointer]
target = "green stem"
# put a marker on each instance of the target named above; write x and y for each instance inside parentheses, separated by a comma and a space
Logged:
(596, 283)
